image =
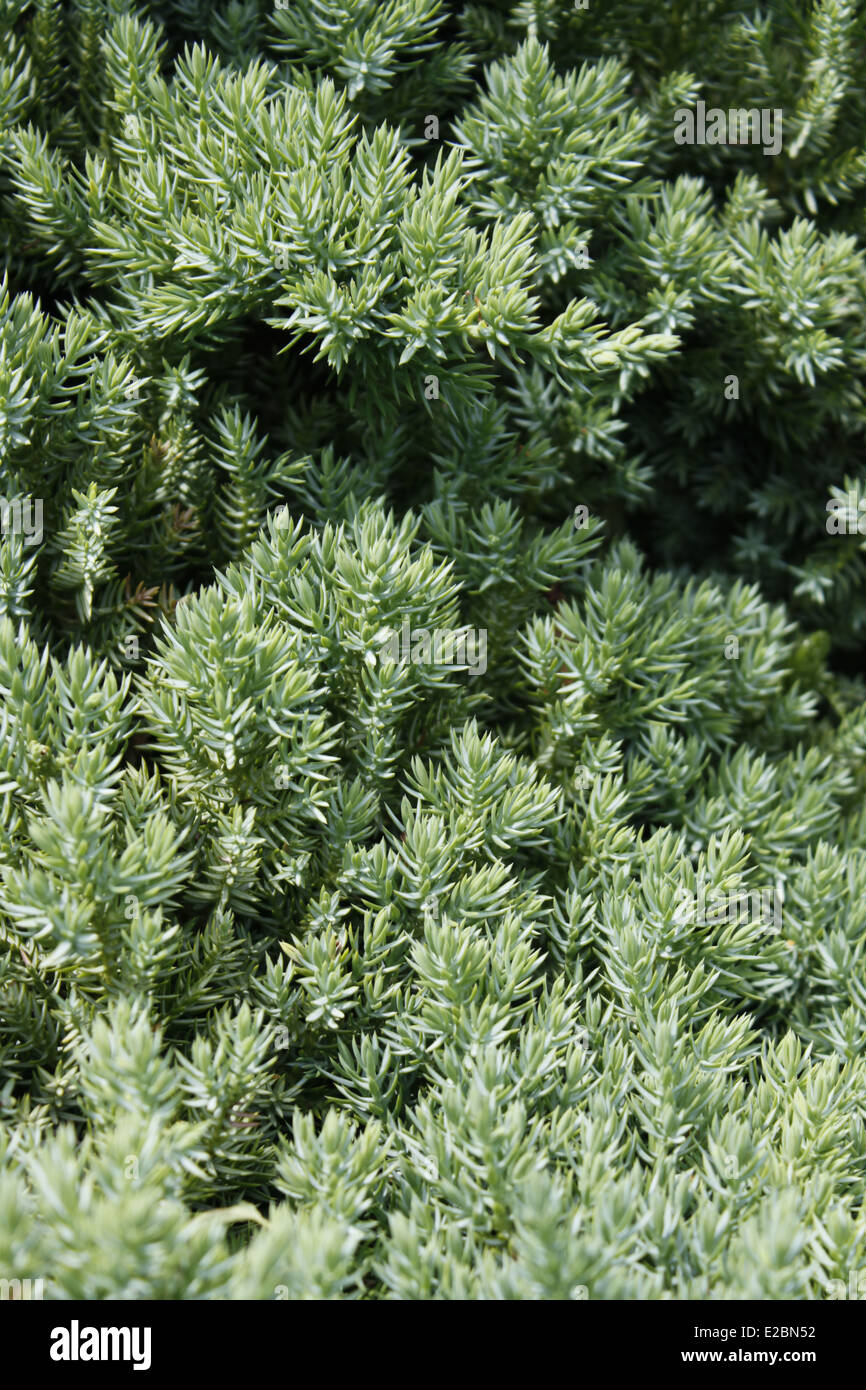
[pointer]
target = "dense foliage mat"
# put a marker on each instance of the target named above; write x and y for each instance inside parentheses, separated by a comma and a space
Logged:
(432, 595)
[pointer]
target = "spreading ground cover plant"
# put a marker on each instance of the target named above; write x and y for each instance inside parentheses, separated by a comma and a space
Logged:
(432, 596)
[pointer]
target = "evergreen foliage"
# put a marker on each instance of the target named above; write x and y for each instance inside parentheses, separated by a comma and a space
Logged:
(331, 971)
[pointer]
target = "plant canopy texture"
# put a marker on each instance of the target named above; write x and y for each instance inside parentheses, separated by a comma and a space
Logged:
(432, 597)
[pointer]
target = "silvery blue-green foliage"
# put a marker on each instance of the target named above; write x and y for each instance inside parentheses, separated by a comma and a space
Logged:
(335, 969)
